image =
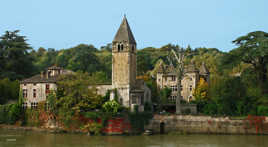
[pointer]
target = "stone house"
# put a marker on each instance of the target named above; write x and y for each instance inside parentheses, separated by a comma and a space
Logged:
(167, 77)
(36, 89)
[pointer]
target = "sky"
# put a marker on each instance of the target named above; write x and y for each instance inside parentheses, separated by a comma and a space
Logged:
(63, 24)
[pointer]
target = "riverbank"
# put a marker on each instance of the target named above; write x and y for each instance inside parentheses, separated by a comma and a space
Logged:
(171, 124)
(38, 129)
(187, 124)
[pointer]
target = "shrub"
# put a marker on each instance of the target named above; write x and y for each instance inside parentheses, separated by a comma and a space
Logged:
(10, 113)
(111, 106)
(93, 127)
(262, 110)
(148, 107)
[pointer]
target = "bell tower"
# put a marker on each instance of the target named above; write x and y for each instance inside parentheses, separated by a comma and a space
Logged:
(124, 56)
(124, 62)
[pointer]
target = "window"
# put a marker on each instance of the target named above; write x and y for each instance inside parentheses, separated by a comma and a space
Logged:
(173, 78)
(34, 84)
(122, 47)
(191, 79)
(134, 100)
(118, 47)
(190, 87)
(142, 100)
(174, 88)
(181, 87)
(24, 84)
(121, 101)
(47, 88)
(24, 93)
(34, 105)
(49, 74)
(34, 93)
(190, 98)
(173, 98)
(133, 48)
(165, 78)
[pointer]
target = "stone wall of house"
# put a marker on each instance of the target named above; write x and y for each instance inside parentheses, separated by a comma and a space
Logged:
(207, 125)
(123, 93)
(40, 92)
(102, 89)
(189, 83)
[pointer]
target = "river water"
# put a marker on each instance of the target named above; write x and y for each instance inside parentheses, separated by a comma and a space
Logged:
(10, 138)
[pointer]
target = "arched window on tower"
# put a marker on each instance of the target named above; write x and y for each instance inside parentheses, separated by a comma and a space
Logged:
(118, 47)
(122, 47)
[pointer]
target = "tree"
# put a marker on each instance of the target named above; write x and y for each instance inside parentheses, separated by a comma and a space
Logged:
(165, 94)
(201, 92)
(143, 62)
(253, 50)
(75, 94)
(15, 60)
(9, 90)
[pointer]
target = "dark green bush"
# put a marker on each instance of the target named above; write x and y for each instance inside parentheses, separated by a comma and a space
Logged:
(262, 110)
(10, 113)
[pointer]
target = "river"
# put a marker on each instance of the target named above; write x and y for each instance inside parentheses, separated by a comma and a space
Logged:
(9, 138)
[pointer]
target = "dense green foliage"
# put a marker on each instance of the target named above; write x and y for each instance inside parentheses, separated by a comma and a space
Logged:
(10, 113)
(9, 90)
(164, 95)
(15, 59)
(73, 96)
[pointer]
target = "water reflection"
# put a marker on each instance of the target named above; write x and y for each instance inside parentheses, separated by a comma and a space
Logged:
(35, 139)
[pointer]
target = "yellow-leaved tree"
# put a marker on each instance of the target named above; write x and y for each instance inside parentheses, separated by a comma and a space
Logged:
(201, 92)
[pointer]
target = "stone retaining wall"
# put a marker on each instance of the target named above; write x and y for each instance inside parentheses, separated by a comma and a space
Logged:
(207, 125)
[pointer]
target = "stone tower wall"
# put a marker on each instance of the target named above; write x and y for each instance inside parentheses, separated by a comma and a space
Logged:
(124, 71)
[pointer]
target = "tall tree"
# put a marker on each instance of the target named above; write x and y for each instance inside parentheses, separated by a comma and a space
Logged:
(253, 49)
(15, 60)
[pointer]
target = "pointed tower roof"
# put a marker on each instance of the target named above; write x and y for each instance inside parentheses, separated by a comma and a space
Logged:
(124, 33)
(203, 69)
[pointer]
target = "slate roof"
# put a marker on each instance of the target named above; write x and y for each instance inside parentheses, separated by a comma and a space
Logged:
(39, 79)
(54, 67)
(124, 33)
(167, 69)
(44, 79)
